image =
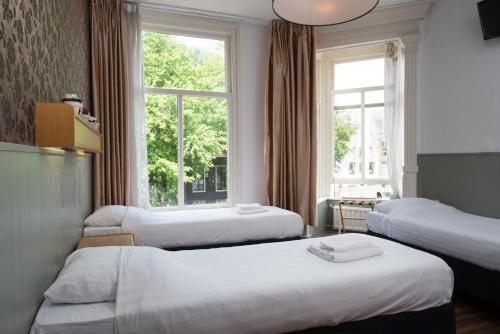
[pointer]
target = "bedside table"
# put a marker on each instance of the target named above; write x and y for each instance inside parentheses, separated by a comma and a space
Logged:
(119, 239)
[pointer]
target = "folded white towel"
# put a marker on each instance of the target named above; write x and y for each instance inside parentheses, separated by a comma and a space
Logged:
(250, 212)
(250, 206)
(352, 255)
(344, 244)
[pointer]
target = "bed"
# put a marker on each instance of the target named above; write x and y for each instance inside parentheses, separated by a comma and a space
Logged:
(266, 288)
(191, 229)
(470, 244)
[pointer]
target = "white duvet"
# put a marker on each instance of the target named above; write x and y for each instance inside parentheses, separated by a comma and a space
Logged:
(443, 229)
(270, 288)
(208, 227)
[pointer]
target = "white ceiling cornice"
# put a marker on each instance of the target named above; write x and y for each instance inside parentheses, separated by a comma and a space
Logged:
(384, 23)
(255, 11)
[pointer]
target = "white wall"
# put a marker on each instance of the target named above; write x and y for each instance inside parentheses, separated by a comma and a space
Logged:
(252, 66)
(459, 82)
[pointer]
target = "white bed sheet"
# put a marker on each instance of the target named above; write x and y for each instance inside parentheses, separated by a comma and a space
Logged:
(443, 229)
(209, 226)
(91, 231)
(96, 318)
(272, 288)
(266, 288)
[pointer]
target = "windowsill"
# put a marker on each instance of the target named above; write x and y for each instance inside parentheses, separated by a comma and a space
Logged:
(333, 198)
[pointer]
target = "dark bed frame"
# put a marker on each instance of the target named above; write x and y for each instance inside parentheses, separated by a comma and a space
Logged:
(437, 320)
(244, 243)
(470, 279)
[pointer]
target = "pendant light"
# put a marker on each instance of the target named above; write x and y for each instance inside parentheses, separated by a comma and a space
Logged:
(322, 12)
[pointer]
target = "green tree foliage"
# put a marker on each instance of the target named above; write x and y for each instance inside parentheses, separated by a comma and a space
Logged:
(344, 130)
(171, 63)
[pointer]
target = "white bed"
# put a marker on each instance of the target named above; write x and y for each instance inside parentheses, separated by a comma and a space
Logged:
(265, 288)
(189, 228)
(443, 229)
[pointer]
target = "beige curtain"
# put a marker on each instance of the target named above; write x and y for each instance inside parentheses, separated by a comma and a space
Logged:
(290, 115)
(111, 102)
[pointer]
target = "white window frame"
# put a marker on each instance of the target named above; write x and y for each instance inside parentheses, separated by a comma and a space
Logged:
(202, 28)
(364, 178)
(326, 62)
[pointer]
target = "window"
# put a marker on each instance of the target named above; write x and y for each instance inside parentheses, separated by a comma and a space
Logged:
(351, 125)
(199, 183)
(188, 107)
(220, 178)
(359, 137)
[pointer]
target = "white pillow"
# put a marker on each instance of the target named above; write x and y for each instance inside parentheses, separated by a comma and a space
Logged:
(89, 276)
(109, 215)
(388, 206)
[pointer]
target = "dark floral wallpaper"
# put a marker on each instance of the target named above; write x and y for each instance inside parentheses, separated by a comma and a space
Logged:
(44, 53)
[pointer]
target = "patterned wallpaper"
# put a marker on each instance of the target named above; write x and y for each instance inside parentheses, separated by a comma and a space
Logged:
(44, 53)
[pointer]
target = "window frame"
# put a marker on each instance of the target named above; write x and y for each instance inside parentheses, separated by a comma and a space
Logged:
(326, 61)
(204, 185)
(153, 21)
(365, 178)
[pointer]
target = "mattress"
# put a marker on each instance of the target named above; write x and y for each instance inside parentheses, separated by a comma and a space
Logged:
(187, 228)
(91, 231)
(443, 229)
(273, 288)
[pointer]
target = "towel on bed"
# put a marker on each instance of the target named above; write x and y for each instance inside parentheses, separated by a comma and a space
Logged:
(352, 255)
(250, 206)
(345, 244)
(250, 212)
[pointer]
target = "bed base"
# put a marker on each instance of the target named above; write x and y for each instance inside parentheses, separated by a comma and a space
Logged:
(470, 279)
(244, 243)
(437, 320)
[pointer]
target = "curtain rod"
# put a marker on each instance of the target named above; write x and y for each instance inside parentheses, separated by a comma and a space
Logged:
(179, 10)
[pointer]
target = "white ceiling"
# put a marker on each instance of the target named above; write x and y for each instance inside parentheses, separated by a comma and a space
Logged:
(259, 9)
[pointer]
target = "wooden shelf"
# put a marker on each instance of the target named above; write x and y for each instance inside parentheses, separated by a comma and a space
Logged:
(57, 126)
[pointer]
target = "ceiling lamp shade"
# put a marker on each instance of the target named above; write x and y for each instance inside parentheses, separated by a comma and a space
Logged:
(322, 12)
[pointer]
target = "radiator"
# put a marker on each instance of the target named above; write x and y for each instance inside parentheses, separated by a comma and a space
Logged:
(351, 224)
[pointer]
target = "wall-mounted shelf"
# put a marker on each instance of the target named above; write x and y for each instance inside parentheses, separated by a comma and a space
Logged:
(56, 125)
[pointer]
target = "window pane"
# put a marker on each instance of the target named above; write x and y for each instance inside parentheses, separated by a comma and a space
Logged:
(221, 178)
(348, 143)
(162, 146)
(375, 149)
(199, 183)
(358, 74)
(351, 99)
(374, 96)
(182, 62)
(205, 149)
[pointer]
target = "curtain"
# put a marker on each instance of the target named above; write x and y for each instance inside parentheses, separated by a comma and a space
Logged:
(290, 119)
(394, 115)
(139, 184)
(111, 102)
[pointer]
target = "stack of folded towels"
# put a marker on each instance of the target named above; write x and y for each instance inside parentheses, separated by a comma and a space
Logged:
(345, 249)
(249, 209)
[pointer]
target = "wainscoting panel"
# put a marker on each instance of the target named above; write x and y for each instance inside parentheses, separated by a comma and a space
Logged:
(469, 181)
(45, 196)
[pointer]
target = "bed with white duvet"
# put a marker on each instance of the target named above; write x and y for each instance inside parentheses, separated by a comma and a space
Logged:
(195, 228)
(265, 288)
(440, 228)
(469, 244)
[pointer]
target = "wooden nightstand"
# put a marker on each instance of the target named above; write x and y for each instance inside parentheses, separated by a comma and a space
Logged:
(119, 239)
